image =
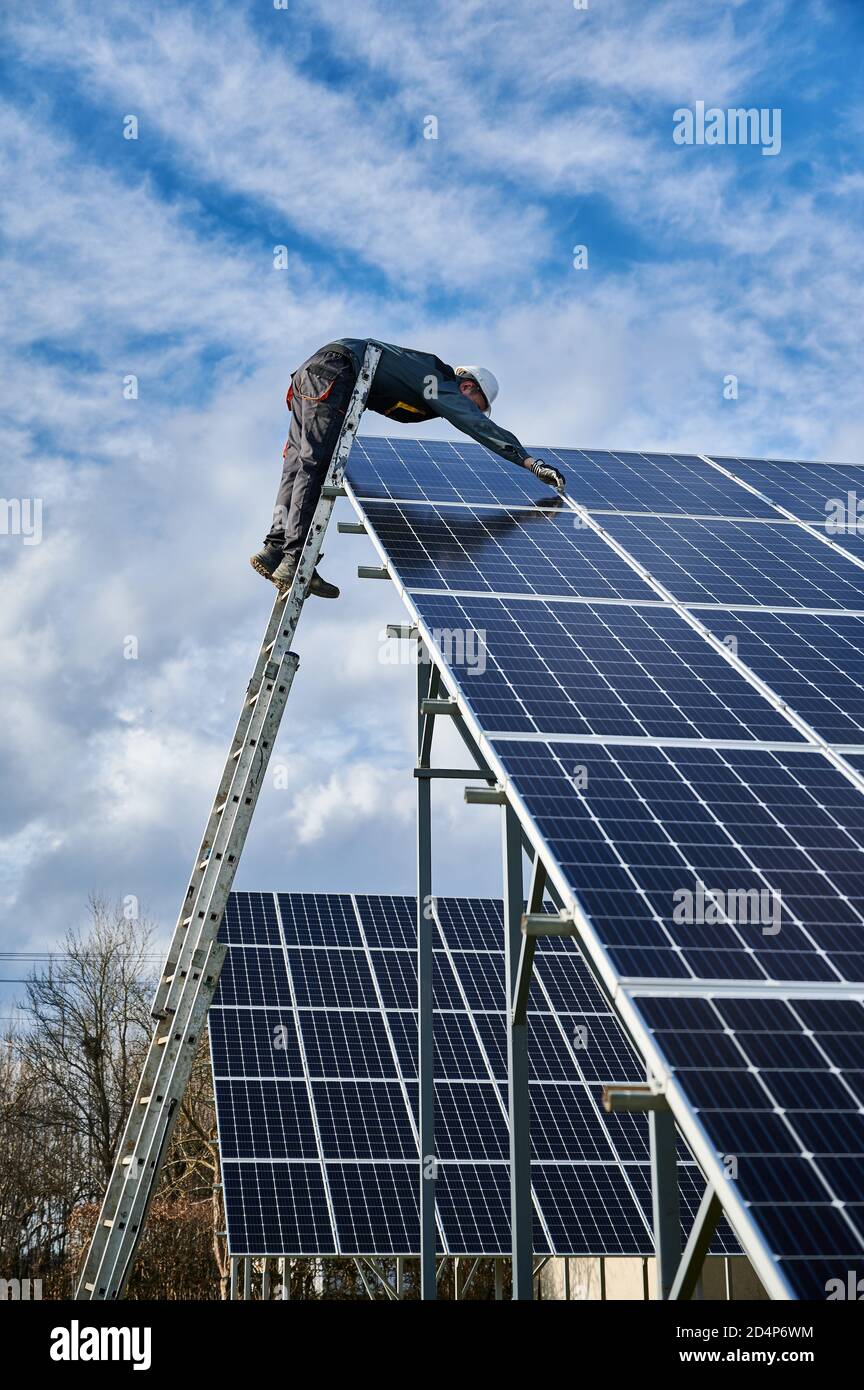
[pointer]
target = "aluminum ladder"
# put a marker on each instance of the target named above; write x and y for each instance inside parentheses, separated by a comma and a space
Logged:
(195, 955)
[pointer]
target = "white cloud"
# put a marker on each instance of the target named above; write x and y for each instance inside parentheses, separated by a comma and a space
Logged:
(152, 506)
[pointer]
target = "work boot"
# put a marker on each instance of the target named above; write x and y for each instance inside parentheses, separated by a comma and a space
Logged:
(283, 574)
(266, 561)
(320, 587)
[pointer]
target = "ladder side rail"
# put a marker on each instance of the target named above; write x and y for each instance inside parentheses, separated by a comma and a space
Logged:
(196, 964)
(154, 1091)
(283, 634)
(175, 1056)
(219, 801)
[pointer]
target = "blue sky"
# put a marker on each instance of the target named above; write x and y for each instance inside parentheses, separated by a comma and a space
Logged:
(304, 127)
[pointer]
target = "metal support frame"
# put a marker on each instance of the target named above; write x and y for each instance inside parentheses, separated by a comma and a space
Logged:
(519, 1100)
(195, 956)
(426, 685)
(690, 1266)
(663, 1141)
(678, 1275)
(358, 1264)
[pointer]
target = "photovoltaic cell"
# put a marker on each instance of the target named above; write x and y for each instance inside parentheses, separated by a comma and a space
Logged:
(265, 1119)
(326, 979)
(310, 919)
(375, 1206)
(251, 976)
(276, 1207)
(340, 1043)
(851, 540)
(600, 669)
(363, 1119)
(243, 1043)
(250, 920)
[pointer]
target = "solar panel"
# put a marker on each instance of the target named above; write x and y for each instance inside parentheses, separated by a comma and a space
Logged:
(811, 491)
(637, 830)
(429, 471)
(778, 1088)
(317, 1101)
(682, 483)
(696, 824)
(508, 552)
(815, 663)
(770, 564)
(609, 670)
(461, 472)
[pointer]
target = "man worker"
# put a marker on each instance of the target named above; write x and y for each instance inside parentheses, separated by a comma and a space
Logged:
(408, 386)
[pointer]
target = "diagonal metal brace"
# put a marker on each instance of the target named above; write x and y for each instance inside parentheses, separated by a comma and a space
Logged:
(700, 1238)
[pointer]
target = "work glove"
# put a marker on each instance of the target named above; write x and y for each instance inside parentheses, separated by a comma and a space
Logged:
(547, 474)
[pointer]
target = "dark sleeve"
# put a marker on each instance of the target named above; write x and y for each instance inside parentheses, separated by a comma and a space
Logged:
(467, 417)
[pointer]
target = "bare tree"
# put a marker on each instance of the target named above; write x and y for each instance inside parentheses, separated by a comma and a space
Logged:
(88, 1020)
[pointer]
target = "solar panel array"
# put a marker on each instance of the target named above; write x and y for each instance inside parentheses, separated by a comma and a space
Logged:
(313, 1035)
(666, 670)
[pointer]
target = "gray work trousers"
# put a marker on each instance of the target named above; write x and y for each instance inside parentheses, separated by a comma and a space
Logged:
(320, 392)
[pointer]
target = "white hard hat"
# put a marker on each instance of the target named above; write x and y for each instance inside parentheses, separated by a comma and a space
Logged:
(485, 379)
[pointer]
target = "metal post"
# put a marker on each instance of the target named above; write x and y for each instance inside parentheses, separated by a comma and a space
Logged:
(499, 1280)
(567, 1278)
(400, 1277)
(247, 1279)
(425, 1016)
(664, 1194)
(232, 1292)
(602, 1279)
(265, 1281)
(285, 1272)
(521, 1210)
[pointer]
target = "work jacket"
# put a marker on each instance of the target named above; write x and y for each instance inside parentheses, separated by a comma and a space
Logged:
(411, 386)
